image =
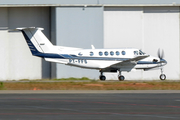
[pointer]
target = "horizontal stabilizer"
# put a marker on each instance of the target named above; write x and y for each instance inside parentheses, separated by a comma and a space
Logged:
(56, 60)
(24, 28)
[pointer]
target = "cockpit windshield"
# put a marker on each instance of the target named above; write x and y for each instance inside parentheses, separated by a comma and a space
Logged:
(141, 53)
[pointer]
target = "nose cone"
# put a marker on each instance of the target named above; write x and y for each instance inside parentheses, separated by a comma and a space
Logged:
(163, 62)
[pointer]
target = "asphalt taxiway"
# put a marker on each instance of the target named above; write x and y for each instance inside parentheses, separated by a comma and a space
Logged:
(89, 105)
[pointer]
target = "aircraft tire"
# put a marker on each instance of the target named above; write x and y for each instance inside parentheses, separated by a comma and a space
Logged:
(102, 77)
(121, 78)
(162, 77)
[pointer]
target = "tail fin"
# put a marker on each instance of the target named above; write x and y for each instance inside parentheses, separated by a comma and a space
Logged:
(36, 40)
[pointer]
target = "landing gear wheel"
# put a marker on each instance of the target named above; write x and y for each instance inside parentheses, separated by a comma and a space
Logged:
(121, 78)
(102, 77)
(162, 77)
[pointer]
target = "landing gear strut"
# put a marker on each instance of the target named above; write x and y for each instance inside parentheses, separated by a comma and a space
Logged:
(102, 77)
(121, 77)
(162, 61)
(162, 76)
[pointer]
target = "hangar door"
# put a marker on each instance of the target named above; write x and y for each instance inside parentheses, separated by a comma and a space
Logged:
(146, 28)
(123, 27)
(17, 62)
(78, 27)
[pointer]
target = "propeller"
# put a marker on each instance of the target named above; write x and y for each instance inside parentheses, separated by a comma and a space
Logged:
(161, 63)
(161, 56)
(160, 53)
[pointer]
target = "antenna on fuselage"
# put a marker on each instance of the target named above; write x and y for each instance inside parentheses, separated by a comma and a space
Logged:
(92, 46)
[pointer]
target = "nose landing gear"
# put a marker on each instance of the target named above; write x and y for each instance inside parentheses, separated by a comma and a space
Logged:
(161, 55)
(162, 76)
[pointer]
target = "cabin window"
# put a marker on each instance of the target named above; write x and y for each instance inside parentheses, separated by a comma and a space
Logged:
(91, 53)
(100, 53)
(111, 53)
(123, 53)
(106, 53)
(117, 53)
(135, 52)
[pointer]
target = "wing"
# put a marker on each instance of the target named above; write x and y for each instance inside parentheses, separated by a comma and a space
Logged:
(136, 58)
(130, 62)
(126, 65)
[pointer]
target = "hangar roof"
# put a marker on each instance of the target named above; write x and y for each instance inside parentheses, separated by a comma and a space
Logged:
(18, 3)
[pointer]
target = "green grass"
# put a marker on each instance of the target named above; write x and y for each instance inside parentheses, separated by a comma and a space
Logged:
(72, 78)
(89, 85)
(1, 85)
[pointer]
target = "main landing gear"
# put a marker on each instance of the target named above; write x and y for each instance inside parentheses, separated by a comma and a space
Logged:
(121, 77)
(103, 78)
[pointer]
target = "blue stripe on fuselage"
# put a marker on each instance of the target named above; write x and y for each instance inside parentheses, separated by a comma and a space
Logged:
(145, 62)
(49, 55)
(66, 56)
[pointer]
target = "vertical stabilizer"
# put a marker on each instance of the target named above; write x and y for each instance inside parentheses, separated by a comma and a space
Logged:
(36, 40)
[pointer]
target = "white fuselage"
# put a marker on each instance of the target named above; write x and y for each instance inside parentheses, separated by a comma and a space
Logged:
(103, 58)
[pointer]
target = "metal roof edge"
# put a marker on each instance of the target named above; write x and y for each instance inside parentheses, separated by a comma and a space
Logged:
(82, 5)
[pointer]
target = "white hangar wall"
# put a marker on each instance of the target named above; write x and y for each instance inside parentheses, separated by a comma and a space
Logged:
(16, 60)
(146, 28)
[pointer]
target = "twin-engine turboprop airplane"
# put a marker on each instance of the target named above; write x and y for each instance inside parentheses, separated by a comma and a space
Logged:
(104, 60)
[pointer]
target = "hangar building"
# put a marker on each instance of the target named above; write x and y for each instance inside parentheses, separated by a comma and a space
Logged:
(144, 24)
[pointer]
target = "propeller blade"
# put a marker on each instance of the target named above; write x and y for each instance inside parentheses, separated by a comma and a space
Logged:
(160, 54)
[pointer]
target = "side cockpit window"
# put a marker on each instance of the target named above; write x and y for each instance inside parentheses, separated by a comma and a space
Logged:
(135, 52)
(141, 53)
